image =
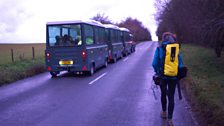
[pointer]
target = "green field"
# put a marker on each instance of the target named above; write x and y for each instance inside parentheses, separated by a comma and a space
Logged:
(205, 82)
(20, 52)
(24, 65)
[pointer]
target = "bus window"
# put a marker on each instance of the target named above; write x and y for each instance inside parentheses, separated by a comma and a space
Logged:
(88, 34)
(118, 36)
(97, 37)
(101, 35)
(54, 36)
(107, 37)
(122, 36)
(126, 37)
(113, 39)
(76, 36)
(64, 35)
(64, 31)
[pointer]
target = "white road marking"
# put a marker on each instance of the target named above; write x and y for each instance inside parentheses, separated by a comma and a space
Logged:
(97, 78)
(125, 59)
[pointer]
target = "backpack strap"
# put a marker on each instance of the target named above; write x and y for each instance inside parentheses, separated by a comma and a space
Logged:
(158, 48)
(160, 60)
(158, 54)
(162, 49)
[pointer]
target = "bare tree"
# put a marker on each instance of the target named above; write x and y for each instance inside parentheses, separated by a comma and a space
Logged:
(140, 33)
(102, 18)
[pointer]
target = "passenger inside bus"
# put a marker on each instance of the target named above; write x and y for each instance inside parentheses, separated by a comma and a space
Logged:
(58, 40)
(67, 40)
(72, 42)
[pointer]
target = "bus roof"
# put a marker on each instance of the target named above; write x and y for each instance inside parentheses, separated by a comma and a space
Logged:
(124, 29)
(91, 22)
(111, 26)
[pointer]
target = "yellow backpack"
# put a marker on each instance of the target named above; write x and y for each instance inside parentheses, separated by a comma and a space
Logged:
(170, 60)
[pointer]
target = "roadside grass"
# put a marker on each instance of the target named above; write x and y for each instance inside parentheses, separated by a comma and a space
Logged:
(23, 65)
(205, 83)
(20, 69)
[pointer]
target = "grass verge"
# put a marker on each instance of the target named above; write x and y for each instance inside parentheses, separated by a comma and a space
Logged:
(204, 85)
(20, 69)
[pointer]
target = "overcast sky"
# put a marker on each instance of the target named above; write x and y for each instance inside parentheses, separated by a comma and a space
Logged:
(24, 21)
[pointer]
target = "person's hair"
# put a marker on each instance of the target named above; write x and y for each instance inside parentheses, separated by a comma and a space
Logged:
(168, 37)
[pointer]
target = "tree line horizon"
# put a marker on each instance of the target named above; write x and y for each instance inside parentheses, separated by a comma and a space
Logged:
(137, 29)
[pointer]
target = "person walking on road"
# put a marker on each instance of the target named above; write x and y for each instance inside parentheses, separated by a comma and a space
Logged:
(167, 60)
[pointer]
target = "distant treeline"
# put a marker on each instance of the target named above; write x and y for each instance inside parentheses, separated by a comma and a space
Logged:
(194, 21)
(139, 32)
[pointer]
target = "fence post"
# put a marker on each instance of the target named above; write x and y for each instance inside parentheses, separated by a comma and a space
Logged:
(12, 55)
(33, 52)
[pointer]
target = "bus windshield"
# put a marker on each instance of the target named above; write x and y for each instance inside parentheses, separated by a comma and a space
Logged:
(64, 35)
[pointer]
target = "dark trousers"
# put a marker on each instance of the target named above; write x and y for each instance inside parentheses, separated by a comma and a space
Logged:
(168, 89)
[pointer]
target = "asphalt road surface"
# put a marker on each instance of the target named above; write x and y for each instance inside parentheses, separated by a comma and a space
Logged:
(119, 95)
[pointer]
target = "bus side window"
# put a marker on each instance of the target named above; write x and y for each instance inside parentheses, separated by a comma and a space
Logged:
(126, 37)
(122, 37)
(96, 34)
(89, 40)
(88, 35)
(106, 35)
(102, 36)
(99, 35)
(112, 36)
(119, 36)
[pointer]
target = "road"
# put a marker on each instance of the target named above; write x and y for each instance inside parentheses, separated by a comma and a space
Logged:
(119, 95)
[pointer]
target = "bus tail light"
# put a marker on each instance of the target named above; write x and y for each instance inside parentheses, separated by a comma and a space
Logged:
(84, 68)
(110, 55)
(49, 68)
(83, 55)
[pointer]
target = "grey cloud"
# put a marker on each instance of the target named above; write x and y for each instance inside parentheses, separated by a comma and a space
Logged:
(12, 15)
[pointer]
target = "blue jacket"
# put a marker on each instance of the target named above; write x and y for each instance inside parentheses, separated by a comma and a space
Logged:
(157, 66)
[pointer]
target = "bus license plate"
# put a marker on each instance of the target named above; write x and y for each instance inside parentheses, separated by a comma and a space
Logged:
(66, 62)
